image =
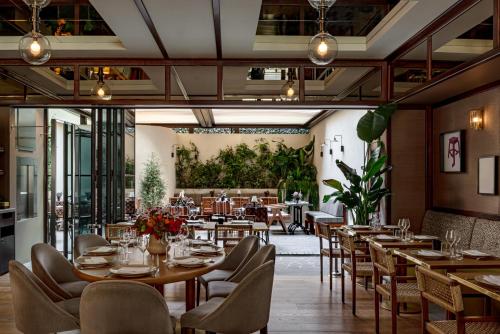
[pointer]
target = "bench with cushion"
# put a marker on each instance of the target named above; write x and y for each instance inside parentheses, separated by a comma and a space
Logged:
(330, 213)
(476, 233)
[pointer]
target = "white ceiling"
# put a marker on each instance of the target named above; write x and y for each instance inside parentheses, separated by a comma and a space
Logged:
(165, 116)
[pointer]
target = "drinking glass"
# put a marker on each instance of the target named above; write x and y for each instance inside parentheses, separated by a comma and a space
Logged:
(164, 241)
(183, 235)
(237, 213)
(142, 244)
(449, 237)
(458, 250)
(454, 246)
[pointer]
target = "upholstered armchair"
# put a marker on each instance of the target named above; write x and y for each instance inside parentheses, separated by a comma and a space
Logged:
(84, 241)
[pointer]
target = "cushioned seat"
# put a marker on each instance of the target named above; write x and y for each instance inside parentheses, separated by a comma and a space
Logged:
(190, 319)
(220, 289)
(321, 217)
(216, 275)
(486, 235)
(336, 252)
(75, 288)
(405, 292)
(362, 268)
(72, 306)
(437, 223)
(450, 327)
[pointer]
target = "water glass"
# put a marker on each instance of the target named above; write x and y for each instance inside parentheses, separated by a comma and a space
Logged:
(142, 244)
(410, 236)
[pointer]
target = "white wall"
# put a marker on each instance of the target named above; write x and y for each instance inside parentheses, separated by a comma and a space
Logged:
(342, 122)
(28, 231)
(210, 144)
(159, 140)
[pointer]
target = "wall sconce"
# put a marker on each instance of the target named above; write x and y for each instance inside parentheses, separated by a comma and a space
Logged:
(321, 151)
(174, 149)
(476, 120)
(338, 139)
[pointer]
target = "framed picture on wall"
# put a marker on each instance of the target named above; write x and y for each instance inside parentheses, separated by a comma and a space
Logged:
(453, 152)
(487, 175)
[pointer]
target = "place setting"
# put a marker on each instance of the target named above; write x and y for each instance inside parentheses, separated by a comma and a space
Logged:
(133, 271)
(93, 262)
(490, 281)
(101, 251)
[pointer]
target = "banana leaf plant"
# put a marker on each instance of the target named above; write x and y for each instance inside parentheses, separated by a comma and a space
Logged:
(362, 193)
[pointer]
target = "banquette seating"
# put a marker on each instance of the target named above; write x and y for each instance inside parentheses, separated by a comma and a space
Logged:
(330, 213)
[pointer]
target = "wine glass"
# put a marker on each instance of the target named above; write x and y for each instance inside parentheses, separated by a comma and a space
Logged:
(237, 213)
(449, 236)
(164, 242)
(124, 242)
(142, 244)
(183, 235)
(406, 226)
(243, 213)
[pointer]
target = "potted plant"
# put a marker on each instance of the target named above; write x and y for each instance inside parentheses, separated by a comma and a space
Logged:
(153, 188)
(362, 194)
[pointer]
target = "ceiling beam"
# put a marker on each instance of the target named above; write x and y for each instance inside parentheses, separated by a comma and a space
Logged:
(204, 117)
(29, 84)
(216, 15)
(191, 126)
(319, 117)
(152, 29)
(343, 94)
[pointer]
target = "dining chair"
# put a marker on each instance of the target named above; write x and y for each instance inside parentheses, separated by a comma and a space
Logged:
(245, 310)
(115, 307)
(357, 265)
(113, 231)
(207, 205)
(240, 202)
(85, 241)
(397, 292)
(326, 234)
(55, 271)
(447, 294)
(269, 200)
(230, 235)
(37, 309)
(224, 288)
(240, 254)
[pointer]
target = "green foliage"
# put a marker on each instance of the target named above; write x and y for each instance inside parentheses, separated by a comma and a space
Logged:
(241, 166)
(363, 193)
(153, 188)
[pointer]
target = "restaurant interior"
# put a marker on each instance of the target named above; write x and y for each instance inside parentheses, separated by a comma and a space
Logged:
(236, 166)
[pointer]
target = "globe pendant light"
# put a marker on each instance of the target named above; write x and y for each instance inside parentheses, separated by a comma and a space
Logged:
(323, 47)
(101, 90)
(37, 3)
(316, 4)
(288, 91)
(34, 47)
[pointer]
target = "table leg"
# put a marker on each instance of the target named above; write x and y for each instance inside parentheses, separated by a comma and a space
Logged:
(190, 294)
(160, 288)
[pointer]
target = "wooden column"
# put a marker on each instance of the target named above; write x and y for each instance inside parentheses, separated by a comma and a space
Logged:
(429, 58)
(429, 157)
(496, 23)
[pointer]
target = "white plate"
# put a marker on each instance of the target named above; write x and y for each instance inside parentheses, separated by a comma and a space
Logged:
(489, 280)
(132, 271)
(359, 227)
(475, 253)
(430, 254)
(384, 237)
(425, 237)
(92, 262)
(190, 262)
(100, 250)
(391, 227)
(198, 242)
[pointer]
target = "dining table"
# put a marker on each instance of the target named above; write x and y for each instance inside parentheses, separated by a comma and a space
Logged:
(398, 243)
(468, 279)
(296, 207)
(276, 214)
(165, 273)
(258, 228)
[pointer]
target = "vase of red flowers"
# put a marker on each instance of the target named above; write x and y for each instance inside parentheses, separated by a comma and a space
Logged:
(157, 223)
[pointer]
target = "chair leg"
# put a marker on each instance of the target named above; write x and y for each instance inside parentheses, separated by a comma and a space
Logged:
(198, 284)
(330, 271)
(366, 282)
(377, 312)
(353, 279)
(394, 319)
(321, 267)
(342, 283)
(263, 330)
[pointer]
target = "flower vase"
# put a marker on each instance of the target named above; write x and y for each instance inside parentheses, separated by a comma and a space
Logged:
(155, 246)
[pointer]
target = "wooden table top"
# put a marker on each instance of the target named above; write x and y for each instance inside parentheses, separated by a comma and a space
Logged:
(467, 279)
(210, 226)
(399, 244)
(166, 274)
(449, 264)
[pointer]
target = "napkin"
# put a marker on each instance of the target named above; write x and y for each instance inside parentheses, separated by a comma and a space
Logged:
(474, 252)
(103, 249)
(386, 237)
(92, 260)
(133, 270)
(424, 252)
(492, 279)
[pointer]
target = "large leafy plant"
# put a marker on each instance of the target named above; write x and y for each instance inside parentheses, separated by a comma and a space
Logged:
(153, 188)
(362, 193)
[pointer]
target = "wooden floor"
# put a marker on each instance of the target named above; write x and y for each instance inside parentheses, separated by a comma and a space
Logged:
(300, 304)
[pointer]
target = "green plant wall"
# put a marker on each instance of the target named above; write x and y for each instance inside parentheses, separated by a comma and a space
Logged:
(260, 166)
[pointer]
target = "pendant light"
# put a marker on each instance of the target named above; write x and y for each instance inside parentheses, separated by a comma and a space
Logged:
(101, 90)
(323, 47)
(34, 47)
(288, 91)
(316, 4)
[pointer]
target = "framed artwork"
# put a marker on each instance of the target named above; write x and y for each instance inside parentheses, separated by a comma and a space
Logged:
(487, 175)
(453, 152)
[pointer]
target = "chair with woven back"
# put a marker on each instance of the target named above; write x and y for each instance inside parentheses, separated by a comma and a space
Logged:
(269, 200)
(240, 202)
(329, 236)
(357, 265)
(113, 231)
(207, 205)
(230, 235)
(398, 290)
(447, 294)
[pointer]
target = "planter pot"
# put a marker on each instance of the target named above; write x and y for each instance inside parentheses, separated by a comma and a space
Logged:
(155, 246)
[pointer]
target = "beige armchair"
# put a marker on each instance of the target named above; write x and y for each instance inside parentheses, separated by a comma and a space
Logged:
(55, 271)
(37, 309)
(84, 241)
(240, 254)
(116, 307)
(224, 288)
(245, 310)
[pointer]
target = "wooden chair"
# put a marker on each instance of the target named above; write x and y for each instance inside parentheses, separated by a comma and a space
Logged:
(397, 292)
(446, 293)
(356, 253)
(112, 231)
(269, 200)
(231, 234)
(240, 202)
(207, 205)
(326, 234)
(247, 217)
(221, 208)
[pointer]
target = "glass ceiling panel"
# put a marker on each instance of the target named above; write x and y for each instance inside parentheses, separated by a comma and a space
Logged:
(263, 116)
(165, 116)
(298, 18)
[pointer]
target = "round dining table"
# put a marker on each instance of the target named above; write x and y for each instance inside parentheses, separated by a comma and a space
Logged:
(166, 273)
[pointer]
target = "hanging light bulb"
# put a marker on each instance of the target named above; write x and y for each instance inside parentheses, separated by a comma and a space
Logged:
(287, 91)
(323, 47)
(34, 47)
(101, 90)
(316, 4)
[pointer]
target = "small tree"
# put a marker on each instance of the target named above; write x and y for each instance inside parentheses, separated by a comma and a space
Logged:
(153, 188)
